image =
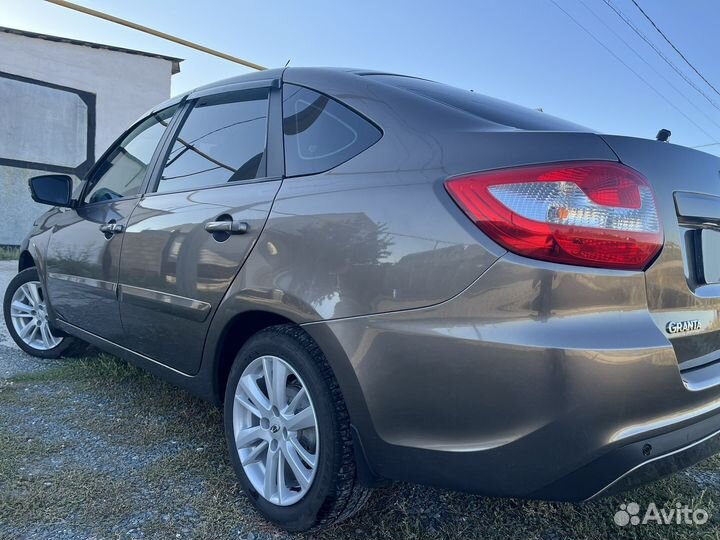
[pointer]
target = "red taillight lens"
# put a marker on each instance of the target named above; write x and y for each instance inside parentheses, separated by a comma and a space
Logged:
(600, 214)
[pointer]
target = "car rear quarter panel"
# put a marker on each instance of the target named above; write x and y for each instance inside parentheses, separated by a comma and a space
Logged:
(535, 363)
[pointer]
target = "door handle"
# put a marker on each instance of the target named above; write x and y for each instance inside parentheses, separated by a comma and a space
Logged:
(111, 228)
(229, 227)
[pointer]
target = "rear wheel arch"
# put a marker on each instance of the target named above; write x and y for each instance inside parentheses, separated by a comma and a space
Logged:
(236, 332)
(246, 324)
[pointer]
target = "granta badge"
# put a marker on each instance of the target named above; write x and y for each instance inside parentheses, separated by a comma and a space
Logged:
(676, 327)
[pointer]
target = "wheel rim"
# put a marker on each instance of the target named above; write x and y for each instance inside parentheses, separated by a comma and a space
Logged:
(28, 313)
(276, 430)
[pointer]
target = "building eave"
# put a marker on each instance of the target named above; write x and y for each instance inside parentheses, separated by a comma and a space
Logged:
(58, 39)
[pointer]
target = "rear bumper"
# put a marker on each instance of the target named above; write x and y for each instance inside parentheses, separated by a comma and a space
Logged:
(638, 463)
(538, 381)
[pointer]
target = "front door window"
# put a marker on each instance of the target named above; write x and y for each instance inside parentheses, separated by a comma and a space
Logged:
(122, 172)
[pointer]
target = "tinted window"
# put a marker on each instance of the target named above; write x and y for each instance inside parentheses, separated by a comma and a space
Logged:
(122, 172)
(320, 133)
(223, 140)
(487, 108)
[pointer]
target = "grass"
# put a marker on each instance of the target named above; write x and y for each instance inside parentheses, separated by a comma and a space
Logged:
(97, 448)
(9, 253)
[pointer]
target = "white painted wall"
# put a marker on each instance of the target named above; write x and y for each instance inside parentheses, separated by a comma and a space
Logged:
(39, 124)
(125, 85)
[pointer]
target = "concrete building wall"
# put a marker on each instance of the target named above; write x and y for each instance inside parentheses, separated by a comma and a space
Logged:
(26, 109)
(36, 121)
(126, 85)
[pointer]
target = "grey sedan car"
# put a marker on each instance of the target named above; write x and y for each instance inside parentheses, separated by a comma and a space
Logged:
(387, 278)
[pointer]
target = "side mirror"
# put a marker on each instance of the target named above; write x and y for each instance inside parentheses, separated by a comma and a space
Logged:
(52, 189)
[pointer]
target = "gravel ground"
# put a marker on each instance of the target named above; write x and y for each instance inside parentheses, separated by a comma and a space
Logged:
(94, 448)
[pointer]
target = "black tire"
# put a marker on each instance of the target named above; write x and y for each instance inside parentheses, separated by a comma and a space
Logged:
(335, 493)
(69, 346)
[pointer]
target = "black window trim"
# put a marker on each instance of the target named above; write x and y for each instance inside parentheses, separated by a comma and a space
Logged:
(342, 103)
(274, 157)
(86, 184)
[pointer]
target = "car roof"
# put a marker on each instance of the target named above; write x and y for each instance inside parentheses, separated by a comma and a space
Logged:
(275, 73)
(336, 81)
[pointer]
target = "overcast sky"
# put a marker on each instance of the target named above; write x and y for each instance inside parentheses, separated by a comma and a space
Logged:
(526, 51)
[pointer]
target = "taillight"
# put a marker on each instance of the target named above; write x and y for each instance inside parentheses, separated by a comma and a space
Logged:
(600, 214)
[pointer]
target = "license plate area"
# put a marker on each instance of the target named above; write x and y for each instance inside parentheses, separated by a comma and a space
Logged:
(708, 256)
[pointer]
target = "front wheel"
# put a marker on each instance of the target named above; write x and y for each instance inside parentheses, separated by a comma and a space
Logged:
(26, 317)
(289, 432)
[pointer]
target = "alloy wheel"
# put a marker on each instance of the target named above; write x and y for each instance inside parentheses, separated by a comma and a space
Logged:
(276, 430)
(28, 312)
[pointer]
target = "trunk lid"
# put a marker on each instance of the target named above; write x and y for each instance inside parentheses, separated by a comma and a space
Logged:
(683, 284)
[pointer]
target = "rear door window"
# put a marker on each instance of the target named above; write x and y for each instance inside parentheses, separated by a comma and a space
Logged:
(320, 133)
(222, 140)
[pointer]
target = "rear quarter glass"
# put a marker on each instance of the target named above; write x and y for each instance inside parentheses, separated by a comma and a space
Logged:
(321, 133)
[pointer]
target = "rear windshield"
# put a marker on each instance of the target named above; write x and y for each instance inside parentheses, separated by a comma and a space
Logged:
(487, 108)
